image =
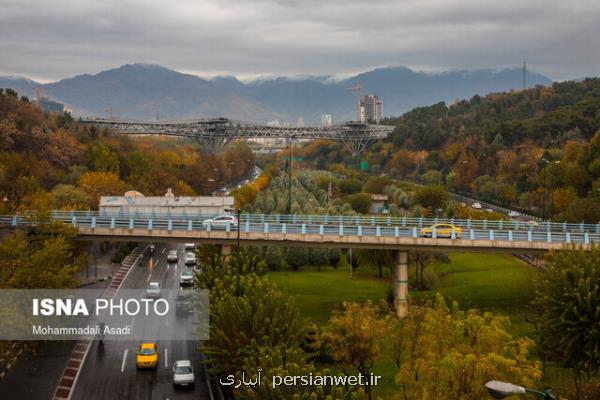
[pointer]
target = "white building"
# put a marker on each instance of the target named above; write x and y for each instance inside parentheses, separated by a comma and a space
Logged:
(168, 205)
(371, 109)
(326, 119)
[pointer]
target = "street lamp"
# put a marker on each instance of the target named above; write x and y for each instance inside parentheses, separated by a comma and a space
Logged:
(500, 390)
(544, 199)
(237, 211)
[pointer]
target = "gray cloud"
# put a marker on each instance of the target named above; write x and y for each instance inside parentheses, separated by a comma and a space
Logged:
(52, 40)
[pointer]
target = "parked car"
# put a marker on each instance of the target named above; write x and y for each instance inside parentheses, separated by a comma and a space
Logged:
(513, 214)
(476, 206)
(172, 256)
(221, 222)
(153, 290)
(183, 373)
(441, 230)
(147, 355)
(190, 259)
(186, 277)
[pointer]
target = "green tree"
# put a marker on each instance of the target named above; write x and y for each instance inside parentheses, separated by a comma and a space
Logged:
(261, 316)
(569, 304)
(41, 257)
(100, 157)
(375, 258)
(360, 202)
(448, 354)
(354, 335)
(69, 197)
(432, 196)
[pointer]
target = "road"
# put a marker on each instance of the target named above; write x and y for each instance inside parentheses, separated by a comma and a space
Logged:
(110, 372)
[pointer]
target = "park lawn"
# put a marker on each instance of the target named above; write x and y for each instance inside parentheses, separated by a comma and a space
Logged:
(317, 293)
(488, 282)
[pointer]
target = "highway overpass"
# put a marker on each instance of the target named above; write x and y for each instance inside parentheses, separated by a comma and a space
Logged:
(385, 233)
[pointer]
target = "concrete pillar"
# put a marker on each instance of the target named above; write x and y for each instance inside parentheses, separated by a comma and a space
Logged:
(226, 250)
(400, 283)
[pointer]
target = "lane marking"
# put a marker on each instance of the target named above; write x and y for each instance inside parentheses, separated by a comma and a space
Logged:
(124, 358)
(163, 250)
(166, 358)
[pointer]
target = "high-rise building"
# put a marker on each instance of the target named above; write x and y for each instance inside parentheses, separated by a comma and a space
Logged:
(326, 119)
(300, 123)
(371, 109)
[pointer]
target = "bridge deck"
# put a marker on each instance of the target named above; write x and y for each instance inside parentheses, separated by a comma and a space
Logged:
(378, 236)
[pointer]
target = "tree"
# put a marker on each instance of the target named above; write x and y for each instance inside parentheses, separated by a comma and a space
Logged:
(68, 197)
(360, 202)
(41, 258)
(100, 157)
(261, 316)
(432, 196)
(375, 184)
(375, 258)
(97, 184)
(448, 354)
(354, 336)
(569, 303)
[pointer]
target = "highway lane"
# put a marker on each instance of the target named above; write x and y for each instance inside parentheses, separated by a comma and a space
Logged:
(110, 371)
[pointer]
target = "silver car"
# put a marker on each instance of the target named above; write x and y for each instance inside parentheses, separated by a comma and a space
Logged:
(186, 277)
(172, 256)
(183, 373)
(153, 290)
(190, 259)
(221, 222)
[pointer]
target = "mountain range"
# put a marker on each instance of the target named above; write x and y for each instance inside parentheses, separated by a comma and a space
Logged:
(148, 92)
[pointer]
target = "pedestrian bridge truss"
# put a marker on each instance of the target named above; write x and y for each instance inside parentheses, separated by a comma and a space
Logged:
(215, 133)
(328, 231)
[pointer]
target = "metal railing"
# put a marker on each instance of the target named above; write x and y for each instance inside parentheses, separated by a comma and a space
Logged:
(332, 226)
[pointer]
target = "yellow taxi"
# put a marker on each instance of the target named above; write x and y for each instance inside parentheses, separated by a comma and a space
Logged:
(441, 230)
(147, 355)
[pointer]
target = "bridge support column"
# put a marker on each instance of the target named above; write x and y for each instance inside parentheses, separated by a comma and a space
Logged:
(226, 251)
(400, 283)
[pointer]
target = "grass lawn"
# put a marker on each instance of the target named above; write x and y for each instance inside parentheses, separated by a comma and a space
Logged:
(489, 282)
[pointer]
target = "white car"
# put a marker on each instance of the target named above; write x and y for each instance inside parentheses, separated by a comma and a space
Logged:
(221, 222)
(513, 214)
(476, 206)
(186, 277)
(183, 373)
(172, 256)
(189, 246)
(153, 290)
(190, 259)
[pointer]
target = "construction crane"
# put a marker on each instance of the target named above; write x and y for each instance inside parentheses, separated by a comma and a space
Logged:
(358, 89)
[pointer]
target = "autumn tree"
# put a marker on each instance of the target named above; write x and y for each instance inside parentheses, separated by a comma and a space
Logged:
(354, 334)
(97, 184)
(448, 354)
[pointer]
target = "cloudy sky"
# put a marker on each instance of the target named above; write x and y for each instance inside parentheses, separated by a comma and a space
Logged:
(50, 40)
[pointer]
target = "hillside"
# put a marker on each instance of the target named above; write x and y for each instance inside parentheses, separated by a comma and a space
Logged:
(142, 91)
(537, 150)
(49, 160)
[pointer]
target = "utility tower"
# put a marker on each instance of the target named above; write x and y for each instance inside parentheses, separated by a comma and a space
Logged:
(358, 89)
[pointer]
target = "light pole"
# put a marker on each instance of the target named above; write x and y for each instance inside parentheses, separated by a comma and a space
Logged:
(544, 198)
(501, 390)
(289, 207)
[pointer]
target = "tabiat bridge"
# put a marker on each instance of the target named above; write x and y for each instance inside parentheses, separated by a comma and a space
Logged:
(330, 231)
(214, 133)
